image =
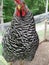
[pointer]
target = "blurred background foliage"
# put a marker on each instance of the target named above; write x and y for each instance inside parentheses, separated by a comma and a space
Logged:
(8, 9)
(0, 2)
(36, 7)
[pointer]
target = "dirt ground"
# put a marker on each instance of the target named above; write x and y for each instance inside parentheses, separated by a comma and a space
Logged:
(41, 56)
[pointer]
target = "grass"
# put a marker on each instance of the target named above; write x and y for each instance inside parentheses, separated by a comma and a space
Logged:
(2, 60)
(0, 49)
(1, 33)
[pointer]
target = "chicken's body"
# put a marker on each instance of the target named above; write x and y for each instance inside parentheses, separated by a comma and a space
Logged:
(21, 40)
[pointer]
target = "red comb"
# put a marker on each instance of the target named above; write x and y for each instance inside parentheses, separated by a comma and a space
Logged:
(18, 1)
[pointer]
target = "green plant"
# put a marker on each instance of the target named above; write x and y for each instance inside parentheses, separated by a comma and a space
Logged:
(8, 10)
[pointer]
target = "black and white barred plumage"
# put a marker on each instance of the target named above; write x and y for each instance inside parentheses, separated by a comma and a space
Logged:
(20, 40)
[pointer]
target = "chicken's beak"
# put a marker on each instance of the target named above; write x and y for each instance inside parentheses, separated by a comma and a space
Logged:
(19, 7)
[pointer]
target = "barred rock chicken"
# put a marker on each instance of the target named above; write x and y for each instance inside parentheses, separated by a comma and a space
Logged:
(21, 39)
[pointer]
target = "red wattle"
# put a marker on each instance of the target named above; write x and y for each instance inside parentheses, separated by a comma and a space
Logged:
(18, 13)
(23, 13)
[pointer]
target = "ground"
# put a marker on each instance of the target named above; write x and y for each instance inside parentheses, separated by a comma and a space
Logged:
(42, 55)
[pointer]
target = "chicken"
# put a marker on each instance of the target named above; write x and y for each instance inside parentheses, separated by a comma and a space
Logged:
(21, 39)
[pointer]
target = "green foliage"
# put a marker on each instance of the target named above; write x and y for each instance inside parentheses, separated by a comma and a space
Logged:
(36, 6)
(48, 6)
(8, 9)
(0, 2)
